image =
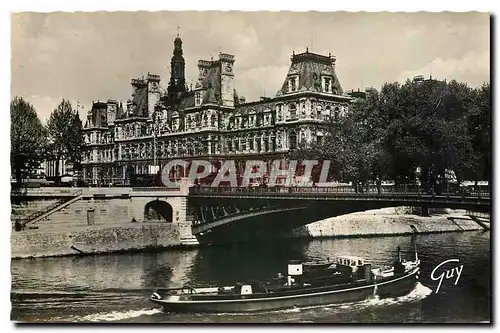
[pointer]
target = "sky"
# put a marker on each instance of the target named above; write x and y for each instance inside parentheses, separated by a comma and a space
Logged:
(86, 57)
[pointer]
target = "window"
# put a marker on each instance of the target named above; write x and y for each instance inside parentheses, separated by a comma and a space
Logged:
(198, 120)
(293, 141)
(197, 98)
(279, 109)
(293, 84)
(336, 114)
(328, 112)
(327, 84)
(318, 112)
(293, 111)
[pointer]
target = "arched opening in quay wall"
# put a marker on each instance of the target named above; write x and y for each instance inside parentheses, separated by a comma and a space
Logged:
(158, 210)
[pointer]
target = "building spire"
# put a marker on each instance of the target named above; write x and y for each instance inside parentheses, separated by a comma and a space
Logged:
(177, 70)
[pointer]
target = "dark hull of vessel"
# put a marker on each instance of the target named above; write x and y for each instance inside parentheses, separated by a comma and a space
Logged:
(393, 287)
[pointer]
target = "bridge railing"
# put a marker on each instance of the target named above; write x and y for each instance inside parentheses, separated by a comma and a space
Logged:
(155, 189)
(404, 189)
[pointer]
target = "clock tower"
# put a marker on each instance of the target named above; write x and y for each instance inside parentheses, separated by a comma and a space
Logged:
(177, 84)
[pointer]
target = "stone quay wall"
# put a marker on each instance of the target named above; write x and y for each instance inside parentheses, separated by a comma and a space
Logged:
(95, 239)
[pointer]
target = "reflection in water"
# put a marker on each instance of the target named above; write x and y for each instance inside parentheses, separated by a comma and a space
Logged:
(117, 286)
(104, 272)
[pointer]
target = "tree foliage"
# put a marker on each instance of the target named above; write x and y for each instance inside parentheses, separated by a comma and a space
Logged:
(434, 126)
(66, 134)
(28, 139)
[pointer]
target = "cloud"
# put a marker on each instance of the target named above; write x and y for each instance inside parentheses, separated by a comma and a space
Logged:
(473, 68)
(90, 56)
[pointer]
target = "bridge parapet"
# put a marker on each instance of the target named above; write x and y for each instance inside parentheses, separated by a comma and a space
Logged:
(400, 190)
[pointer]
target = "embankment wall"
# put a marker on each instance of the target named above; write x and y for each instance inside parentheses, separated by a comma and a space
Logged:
(89, 240)
(386, 222)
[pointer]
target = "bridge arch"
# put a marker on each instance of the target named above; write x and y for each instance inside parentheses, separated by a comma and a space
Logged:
(158, 210)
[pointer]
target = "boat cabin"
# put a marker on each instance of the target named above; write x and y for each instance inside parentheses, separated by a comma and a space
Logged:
(354, 266)
(350, 261)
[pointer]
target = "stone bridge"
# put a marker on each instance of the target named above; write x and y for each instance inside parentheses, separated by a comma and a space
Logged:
(201, 210)
(213, 207)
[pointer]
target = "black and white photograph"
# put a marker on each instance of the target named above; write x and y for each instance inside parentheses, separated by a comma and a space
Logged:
(250, 167)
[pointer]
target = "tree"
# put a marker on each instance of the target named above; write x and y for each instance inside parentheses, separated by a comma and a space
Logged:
(28, 139)
(432, 125)
(66, 134)
(479, 127)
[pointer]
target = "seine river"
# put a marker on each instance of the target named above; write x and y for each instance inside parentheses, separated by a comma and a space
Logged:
(116, 287)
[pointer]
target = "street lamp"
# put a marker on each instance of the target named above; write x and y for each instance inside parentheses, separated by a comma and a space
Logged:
(155, 134)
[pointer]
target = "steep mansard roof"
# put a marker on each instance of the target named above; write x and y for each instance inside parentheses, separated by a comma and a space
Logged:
(96, 118)
(140, 102)
(211, 84)
(310, 67)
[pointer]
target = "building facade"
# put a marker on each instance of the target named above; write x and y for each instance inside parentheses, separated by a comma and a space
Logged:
(209, 121)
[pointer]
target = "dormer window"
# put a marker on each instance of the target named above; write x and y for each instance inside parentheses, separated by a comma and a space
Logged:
(327, 84)
(292, 83)
(197, 98)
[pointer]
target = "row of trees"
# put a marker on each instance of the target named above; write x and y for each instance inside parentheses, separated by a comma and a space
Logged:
(32, 143)
(415, 131)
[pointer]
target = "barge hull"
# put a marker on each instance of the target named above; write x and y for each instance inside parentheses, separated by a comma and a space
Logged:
(397, 287)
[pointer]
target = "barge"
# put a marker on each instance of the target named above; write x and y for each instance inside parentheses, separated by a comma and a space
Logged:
(346, 279)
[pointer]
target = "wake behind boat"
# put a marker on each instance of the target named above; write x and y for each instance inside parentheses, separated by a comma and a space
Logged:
(346, 279)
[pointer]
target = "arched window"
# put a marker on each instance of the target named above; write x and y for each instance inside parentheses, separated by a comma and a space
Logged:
(328, 112)
(336, 113)
(259, 120)
(213, 119)
(318, 112)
